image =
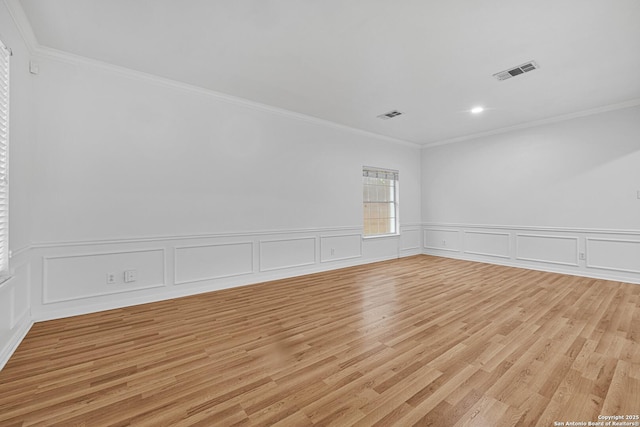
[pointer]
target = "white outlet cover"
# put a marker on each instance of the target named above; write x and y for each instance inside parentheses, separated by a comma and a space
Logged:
(130, 276)
(111, 278)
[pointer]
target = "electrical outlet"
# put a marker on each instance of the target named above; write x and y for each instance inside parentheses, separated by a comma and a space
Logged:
(111, 278)
(444, 243)
(333, 251)
(130, 276)
(582, 256)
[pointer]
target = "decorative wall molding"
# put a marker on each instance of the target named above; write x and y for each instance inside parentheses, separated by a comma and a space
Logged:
(340, 247)
(37, 50)
(15, 308)
(613, 254)
(278, 254)
(189, 237)
(489, 249)
(22, 23)
(7, 297)
(236, 259)
(474, 243)
(547, 249)
(557, 119)
(598, 253)
(85, 276)
(437, 238)
(17, 335)
(21, 293)
(218, 269)
(17, 253)
(530, 228)
(410, 239)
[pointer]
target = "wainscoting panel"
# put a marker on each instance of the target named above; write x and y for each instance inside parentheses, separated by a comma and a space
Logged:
(550, 249)
(7, 301)
(14, 297)
(208, 262)
(442, 239)
(599, 253)
(335, 248)
(74, 277)
(59, 279)
(70, 278)
(287, 253)
(614, 254)
(15, 313)
(21, 293)
(495, 244)
(381, 248)
(410, 239)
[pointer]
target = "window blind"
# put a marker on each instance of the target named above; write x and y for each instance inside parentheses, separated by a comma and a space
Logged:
(380, 173)
(380, 201)
(5, 54)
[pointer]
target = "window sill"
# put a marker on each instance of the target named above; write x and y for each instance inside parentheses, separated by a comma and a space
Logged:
(4, 278)
(381, 236)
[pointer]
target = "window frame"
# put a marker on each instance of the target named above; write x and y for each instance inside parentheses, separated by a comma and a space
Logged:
(390, 175)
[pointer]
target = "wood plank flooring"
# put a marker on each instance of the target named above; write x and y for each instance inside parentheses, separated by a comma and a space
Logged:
(415, 341)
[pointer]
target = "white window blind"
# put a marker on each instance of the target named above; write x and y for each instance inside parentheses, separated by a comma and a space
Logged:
(380, 201)
(5, 53)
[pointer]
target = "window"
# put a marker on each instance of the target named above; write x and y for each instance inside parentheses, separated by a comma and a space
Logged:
(380, 201)
(5, 53)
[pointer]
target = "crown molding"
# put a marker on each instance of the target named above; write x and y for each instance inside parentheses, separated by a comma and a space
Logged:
(22, 23)
(556, 119)
(36, 49)
(69, 58)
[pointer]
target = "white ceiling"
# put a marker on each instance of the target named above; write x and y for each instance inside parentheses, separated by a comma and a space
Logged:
(348, 61)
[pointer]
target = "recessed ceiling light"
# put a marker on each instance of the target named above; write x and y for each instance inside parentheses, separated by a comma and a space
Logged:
(477, 110)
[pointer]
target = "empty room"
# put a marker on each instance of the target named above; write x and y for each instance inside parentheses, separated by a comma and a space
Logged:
(297, 213)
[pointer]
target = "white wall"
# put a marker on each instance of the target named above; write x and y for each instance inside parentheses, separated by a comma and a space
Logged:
(15, 318)
(540, 197)
(119, 156)
(195, 191)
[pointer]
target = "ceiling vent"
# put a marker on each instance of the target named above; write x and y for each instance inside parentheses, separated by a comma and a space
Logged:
(389, 115)
(516, 71)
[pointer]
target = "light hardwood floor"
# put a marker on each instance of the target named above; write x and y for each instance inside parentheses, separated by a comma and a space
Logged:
(414, 341)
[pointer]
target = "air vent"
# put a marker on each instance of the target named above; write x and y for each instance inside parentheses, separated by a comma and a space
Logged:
(389, 115)
(516, 71)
